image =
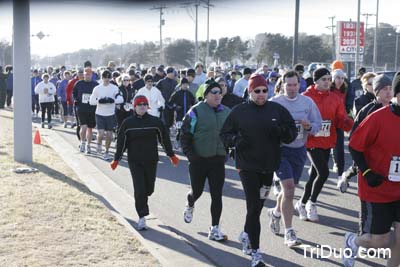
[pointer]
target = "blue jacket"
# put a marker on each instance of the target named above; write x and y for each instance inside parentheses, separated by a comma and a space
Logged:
(10, 81)
(34, 82)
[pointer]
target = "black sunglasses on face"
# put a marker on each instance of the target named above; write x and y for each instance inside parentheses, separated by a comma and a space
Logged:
(257, 91)
(214, 92)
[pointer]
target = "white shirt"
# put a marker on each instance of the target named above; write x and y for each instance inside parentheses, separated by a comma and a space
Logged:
(102, 91)
(200, 78)
(240, 86)
(155, 98)
(46, 92)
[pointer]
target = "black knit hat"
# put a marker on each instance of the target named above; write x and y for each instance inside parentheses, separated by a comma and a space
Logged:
(396, 84)
(210, 84)
(318, 73)
(106, 74)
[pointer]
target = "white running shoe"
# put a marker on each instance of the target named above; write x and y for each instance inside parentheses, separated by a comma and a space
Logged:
(312, 214)
(142, 224)
(277, 187)
(215, 233)
(349, 243)
(274, 221)
(107, 157)
(88, 149)
(334, 168)
(256, 258)
(245, 241)
(82, 147)
(291, 239)
(188, 214)
(301, 210)
(342, 183)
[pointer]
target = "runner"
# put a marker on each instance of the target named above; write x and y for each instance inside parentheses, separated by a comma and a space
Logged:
(256, 130)
(206, 154)
(308, 121)
(81, 92)
(375, 148)
(104, 97)
(318, 147)
(139, 135)
(46, 91)
(154, 96)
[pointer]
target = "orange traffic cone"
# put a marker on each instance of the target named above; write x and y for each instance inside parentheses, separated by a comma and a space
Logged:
(37, 140)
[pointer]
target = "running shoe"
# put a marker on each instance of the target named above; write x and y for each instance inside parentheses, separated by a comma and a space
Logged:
(245, 241)
(301, 210)
(349, 245)
(188, 214)
(256, 258)
(312, 214)
(274, 221)
(215, 233)
(142, 224)
(291, 239)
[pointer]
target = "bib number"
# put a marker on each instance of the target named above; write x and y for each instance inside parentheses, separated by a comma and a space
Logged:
(300, 131)
(394, 170)
(85, 98)
(325, 130)
(127, 106)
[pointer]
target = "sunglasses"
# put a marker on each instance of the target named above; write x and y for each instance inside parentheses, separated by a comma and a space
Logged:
(142, 104)
(214, 92)
(257, 91)
(326, 79)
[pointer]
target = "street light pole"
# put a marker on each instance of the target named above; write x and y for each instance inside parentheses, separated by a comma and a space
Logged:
(357, 62)
(296, 33)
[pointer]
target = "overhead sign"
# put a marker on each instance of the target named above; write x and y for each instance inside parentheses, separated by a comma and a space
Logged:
(347, 37)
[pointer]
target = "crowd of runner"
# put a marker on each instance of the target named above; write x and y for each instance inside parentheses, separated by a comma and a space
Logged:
(267, 121)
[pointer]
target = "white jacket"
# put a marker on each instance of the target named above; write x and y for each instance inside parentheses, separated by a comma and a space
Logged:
(46, 92)
(155, 98)
(101, 91)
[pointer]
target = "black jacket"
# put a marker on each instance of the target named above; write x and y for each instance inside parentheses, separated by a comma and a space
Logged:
(256, 133)
(139, 134)
(177, 103)
(363, 100)
(167, 87)
(364, 112)
(230, 100)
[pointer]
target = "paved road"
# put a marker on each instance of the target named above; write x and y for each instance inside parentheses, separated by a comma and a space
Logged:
(338, 214)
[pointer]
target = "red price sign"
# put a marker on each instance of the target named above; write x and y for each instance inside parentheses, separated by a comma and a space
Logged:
(347, 31)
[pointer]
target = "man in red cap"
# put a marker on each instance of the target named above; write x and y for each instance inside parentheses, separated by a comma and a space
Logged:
(139, 135)
(256, 129)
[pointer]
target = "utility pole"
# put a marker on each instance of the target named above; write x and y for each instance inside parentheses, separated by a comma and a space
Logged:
(366, 15)
(296, 33)
(196, 4)
(160, 8)
(208, 32)
(375, 60)
(332, 27)
(357, 62)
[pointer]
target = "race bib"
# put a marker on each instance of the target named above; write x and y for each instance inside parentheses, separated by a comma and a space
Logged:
(127, 106)
(300, 130)
(85, 98)
(325, 130)
(394, 169)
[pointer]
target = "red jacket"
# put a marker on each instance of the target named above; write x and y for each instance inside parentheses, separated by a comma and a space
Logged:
(333, 116)
(68, 90)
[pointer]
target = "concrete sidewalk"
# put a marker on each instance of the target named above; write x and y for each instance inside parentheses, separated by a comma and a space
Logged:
(168, 247)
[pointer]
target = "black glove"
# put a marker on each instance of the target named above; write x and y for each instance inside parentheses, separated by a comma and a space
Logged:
(275, 130)
(241, 142)
(76, 103)
(373, 179)
(160, 109)
(103, 100)
(192, 157)
(110, 100)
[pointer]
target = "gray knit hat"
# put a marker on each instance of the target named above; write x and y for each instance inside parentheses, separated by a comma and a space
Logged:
(379, 82)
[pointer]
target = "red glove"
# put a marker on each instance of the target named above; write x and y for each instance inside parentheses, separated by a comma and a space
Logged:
(174, 160)
(114, 164)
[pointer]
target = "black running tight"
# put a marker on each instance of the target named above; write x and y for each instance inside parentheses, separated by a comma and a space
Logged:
(319, 173)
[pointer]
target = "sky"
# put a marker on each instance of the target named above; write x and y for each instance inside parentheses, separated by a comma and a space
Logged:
(73, 25)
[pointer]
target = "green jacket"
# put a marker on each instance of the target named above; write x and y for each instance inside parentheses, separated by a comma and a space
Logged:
(200, 131)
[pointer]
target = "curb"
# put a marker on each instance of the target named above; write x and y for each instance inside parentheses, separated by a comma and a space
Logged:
(166, 246)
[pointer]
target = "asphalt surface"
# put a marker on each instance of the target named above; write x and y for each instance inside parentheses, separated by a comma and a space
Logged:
(338, 214)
